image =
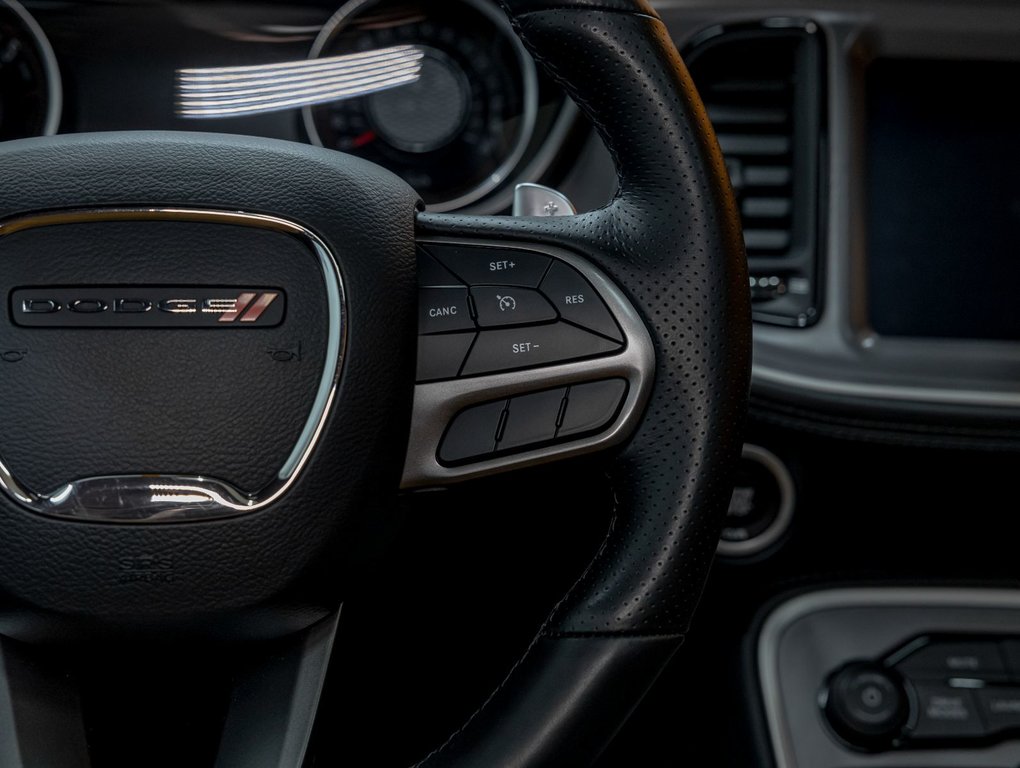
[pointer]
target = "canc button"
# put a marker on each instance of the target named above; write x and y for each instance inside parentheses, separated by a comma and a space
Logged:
(443, 309)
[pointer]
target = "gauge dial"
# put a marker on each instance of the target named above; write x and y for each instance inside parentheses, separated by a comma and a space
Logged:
(460, 130)
(29, 80)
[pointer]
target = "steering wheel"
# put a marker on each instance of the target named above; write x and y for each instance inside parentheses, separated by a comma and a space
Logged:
(224, 355)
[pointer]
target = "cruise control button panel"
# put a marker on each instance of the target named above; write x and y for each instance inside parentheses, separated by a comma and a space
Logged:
(555, 313)
(527, 353)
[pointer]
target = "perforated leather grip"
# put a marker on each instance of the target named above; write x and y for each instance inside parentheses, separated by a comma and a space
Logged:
(671, 239)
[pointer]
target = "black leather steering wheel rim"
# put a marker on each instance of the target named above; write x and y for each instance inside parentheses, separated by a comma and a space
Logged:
(161, 209)
(671, 240)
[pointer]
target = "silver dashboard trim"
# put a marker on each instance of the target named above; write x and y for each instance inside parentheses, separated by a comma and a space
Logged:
(158, 498)
(788, 613)
(436, 403)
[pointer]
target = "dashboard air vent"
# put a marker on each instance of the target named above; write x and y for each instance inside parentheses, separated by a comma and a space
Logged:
(763, 88)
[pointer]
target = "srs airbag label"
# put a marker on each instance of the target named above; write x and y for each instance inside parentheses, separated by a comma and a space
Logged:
(147, 307)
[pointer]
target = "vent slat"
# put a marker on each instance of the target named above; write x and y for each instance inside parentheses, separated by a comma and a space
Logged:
(766, 207)
(755, 145)
(766, 240)
(739, 114)
(734, 85)
(766, 175)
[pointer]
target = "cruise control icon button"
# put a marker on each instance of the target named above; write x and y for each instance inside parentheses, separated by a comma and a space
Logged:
(506, 305)
(506, 349)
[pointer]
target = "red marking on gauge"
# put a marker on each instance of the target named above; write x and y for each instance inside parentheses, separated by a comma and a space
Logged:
(365, 138)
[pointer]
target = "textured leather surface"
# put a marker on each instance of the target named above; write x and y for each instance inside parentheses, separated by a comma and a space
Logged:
(671, 239)
(275, 570)
(91, 402)
(588, 685)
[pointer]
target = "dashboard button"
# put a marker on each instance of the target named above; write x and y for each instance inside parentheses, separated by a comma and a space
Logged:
(946, 713)
(440, 357)
(432, 273)
(472, 432)
(531, 419)
(1000, 708)
(443, 309)
(1011, 654)
(502, 350)
(506, 305)
(591, 407)
(866, 704)
(955, 659)
(488, 266)
(577, 301)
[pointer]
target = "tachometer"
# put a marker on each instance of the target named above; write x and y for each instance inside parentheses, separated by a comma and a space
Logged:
(457, 133)
(29, 78)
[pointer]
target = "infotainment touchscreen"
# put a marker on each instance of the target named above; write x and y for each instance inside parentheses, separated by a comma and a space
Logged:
(943, 199)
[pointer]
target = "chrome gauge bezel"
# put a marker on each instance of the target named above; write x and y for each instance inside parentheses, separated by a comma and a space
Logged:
(54, 85)
(529, 79)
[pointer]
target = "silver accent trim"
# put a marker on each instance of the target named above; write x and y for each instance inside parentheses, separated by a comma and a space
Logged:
(227, 91)
(784, 515)
(540, 200)
(436, 403)
(967, 605)
(529, 75)
(54, 85)
(157, 498)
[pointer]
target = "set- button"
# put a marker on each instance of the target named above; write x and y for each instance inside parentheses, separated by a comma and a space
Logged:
(485, 310)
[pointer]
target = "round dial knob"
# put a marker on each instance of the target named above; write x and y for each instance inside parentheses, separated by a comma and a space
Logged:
(866, 704)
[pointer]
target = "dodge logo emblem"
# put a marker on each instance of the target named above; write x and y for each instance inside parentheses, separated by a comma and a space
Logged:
(151, 307)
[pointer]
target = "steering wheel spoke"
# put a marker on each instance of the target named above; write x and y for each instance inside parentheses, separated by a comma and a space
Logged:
(527, 353)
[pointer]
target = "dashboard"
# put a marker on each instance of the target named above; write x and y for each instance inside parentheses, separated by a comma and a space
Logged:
(441, 93)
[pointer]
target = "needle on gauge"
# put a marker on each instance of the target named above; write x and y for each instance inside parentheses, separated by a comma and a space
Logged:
(228, 91)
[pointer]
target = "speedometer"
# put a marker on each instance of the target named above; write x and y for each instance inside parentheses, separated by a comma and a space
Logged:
(29, 78)
(460, 130)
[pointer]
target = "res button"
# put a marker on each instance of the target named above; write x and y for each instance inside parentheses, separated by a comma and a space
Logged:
(576, 301)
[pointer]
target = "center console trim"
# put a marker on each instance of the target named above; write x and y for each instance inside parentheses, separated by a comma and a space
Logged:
(789, 612)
